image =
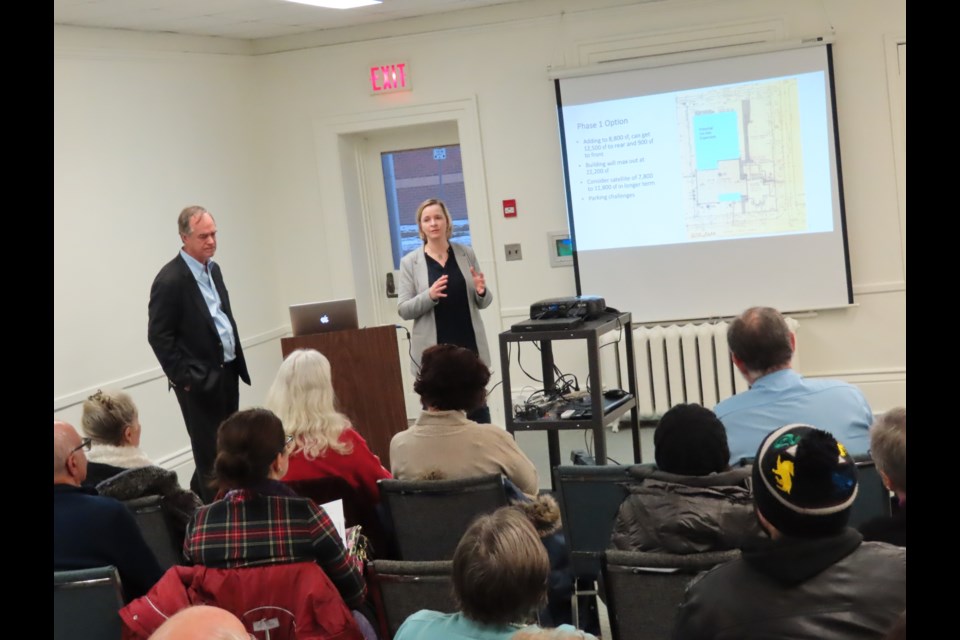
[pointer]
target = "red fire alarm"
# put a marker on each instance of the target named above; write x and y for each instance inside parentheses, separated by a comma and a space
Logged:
(509, 208)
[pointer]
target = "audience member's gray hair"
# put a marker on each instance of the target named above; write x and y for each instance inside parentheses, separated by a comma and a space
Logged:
(106, 414)
(888, 446)
(188, 214)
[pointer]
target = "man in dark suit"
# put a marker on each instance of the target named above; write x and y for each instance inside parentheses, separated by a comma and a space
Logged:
(193, 333)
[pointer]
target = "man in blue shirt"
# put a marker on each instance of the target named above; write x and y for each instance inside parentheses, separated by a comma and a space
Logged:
(90, 530)
(193, 334)
(761, 347)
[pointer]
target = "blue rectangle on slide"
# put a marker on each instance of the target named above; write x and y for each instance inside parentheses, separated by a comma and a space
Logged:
(717, 138)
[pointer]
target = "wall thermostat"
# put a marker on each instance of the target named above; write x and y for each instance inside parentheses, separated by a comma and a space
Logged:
(560, 248)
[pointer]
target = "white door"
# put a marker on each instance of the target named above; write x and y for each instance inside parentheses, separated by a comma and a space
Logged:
(416, 162)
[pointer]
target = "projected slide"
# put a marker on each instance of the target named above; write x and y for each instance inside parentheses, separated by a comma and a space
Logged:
(742, 161)
(733, 161)
(697, 189)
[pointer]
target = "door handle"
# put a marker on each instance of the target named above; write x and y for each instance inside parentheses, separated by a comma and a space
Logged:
(391, 287)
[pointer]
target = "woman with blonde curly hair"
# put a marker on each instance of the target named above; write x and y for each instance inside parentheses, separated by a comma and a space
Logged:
(324, 442)
(118, 468)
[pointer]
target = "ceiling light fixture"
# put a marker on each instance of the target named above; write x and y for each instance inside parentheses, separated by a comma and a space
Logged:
(337, 4)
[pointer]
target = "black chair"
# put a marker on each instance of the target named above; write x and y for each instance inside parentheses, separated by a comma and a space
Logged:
(85, 604)
(873, 499)
(644, 589)
(401, 588)
(330, 488)
(163, 538)
(589, 497)
(356, 509)
(430, 516)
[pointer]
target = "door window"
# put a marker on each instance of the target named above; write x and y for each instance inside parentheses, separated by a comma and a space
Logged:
(414, 175)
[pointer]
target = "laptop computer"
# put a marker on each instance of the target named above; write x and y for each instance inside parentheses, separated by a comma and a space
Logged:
(323, 317)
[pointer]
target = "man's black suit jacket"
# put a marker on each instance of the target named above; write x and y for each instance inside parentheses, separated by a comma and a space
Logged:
(182, 333)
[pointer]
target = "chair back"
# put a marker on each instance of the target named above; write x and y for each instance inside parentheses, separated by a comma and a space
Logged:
(356, 509)
(330, 488)
(86, 602)
(430, 516)
(161, 536)
(873, 499)
(400, 589)
(644, 590)
(590, 497)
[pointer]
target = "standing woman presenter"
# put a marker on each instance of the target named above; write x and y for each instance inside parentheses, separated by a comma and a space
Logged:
(442, 290)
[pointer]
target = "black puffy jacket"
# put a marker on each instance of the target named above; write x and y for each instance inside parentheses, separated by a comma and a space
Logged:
(686, 514)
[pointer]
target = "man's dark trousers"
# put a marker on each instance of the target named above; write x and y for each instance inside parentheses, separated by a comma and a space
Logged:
(203, 411)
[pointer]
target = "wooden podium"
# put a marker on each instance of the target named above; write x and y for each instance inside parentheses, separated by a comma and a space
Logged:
(366, 379)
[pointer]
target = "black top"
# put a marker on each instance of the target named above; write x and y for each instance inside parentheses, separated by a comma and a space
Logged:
(453, 312)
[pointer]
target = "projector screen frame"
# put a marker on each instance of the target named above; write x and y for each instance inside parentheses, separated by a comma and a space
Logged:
(707, 55)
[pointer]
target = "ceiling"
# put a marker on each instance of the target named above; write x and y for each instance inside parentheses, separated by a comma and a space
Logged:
(242, 19)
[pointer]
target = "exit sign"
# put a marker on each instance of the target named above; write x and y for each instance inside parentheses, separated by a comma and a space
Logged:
(389, 78)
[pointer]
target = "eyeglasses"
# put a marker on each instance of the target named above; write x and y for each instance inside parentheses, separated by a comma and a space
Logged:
(286, 445)
(84, 444)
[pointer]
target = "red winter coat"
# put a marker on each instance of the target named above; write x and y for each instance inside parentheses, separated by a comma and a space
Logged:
(287, 601)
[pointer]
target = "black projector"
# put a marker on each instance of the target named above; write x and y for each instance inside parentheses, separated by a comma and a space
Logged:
(571, 307)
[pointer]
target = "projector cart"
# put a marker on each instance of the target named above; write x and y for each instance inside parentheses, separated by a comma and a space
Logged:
(599, 407)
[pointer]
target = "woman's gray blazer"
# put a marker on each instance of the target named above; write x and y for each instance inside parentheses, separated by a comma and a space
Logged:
(414, 301)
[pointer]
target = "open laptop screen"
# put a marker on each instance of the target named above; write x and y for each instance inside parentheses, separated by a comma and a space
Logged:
(323, 317)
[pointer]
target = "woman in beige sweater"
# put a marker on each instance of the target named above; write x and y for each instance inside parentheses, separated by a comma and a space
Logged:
(443, 443)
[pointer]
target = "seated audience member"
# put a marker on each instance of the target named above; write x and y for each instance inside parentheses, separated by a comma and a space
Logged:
(201, 622)
(118, 468)
(693, 502)
(324, 443)
(499, 581)
(452, 380)
(761, 347)
(265, 522)
(888, 447)
(91, 530)
(815, 577)
(543, 512)
(552, 634)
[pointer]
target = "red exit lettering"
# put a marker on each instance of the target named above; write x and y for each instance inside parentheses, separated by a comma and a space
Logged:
(391, 77)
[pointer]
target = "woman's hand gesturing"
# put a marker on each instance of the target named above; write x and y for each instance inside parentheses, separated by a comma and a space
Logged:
(478, 281)
(438, 288)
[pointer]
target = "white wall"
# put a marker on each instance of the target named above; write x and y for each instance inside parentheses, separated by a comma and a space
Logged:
(138, 135)
(503, 64)
(143, 128)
